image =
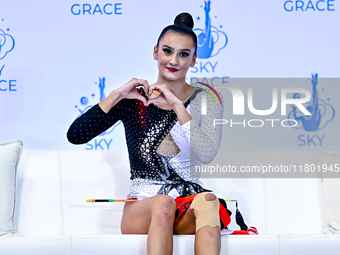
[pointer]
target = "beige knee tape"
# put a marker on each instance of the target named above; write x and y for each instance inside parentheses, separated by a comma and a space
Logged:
(206, 212)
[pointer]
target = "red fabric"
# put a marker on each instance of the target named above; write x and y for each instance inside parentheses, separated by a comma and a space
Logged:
(250, 231)
(183, 203)
(224, 216)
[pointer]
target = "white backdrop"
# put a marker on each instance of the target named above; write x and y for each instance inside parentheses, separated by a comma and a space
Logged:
(55, 54)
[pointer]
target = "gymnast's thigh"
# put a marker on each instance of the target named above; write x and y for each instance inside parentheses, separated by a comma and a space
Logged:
(137, 215)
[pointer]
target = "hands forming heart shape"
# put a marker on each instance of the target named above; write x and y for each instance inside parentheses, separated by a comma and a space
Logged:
(141, 90)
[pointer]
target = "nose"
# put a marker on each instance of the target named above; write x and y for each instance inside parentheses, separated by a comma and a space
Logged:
(173, 60)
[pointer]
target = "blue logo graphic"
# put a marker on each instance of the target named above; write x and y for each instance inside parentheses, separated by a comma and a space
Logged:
(85, 104)
(210, 40)
(6, 43)
(88, 9)
(322, 112)
(305, 5)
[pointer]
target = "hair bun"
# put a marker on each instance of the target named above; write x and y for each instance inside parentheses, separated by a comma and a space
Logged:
(184, 19)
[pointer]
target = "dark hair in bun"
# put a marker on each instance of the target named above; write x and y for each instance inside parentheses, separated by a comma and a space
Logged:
(183, 24)
(184, 19)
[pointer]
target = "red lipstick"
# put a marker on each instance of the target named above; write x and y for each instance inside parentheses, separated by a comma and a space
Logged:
(172, 69)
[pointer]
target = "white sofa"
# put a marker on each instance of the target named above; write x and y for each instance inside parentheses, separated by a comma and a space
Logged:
(53, 217)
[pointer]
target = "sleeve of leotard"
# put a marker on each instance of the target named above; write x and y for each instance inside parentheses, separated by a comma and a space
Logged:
(94, 122)
(200, 133)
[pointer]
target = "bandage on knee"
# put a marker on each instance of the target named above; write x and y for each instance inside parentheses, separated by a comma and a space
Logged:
(206, 212)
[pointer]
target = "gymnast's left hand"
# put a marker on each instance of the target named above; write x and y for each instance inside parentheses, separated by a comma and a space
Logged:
(165, 97)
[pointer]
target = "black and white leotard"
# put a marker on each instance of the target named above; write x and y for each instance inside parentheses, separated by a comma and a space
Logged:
(161, 151)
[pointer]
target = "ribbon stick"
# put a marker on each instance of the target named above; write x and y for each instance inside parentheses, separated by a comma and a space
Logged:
(110, 200)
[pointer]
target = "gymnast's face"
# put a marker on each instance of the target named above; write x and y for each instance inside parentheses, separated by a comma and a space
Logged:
(175, 54)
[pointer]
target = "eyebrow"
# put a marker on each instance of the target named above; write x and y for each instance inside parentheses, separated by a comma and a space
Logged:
(173, 48)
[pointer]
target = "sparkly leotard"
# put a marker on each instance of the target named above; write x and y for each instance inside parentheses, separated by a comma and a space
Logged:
(161, 151)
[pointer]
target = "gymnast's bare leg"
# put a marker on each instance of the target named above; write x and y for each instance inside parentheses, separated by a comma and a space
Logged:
(207, 239)
(153, 216)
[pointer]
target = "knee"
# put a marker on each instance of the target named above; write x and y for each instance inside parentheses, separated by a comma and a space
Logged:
(210, 197)
(206, 201)
(164, 209)
(206, 209)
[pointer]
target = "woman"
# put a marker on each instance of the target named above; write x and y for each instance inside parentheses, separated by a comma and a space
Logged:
(158, 128)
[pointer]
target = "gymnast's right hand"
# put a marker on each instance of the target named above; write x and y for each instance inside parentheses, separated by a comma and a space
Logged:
(128, 90)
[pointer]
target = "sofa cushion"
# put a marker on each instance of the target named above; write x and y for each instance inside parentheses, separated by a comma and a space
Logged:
(10, 153)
